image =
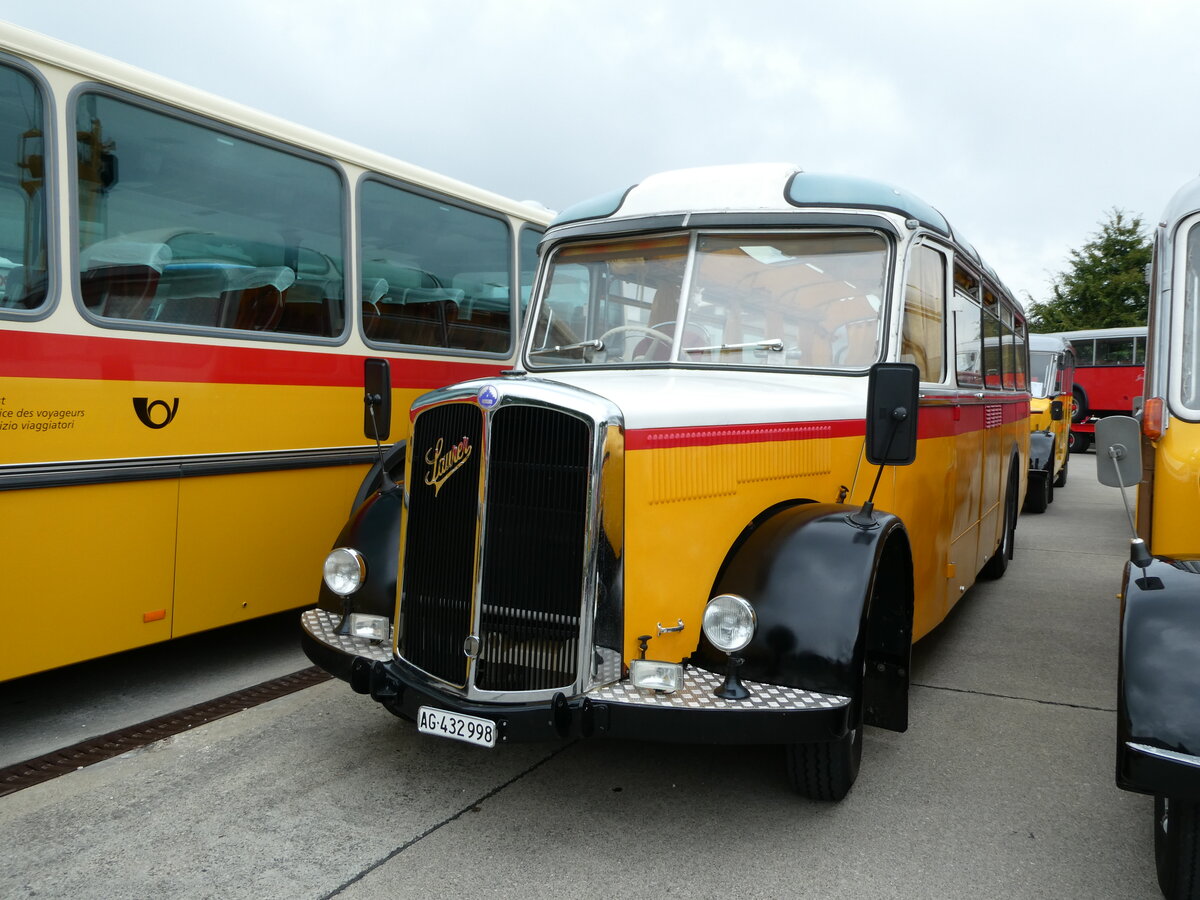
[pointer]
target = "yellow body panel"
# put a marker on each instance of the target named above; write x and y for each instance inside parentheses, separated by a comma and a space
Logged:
(685, 508)
(1176, 491)
(83, 566)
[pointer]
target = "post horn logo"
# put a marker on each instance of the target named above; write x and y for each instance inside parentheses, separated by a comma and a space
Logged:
(148, 411)
(443, 465)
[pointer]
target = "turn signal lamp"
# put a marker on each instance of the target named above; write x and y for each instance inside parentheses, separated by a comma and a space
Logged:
(656, 676)
(1152, 418)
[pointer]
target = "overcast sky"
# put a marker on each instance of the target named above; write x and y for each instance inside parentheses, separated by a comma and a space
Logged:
(1023, 122)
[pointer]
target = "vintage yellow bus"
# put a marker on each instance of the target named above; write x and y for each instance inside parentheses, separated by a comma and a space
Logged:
(1158, 697)
(689, 513)
(1051, 377)
(189, 292)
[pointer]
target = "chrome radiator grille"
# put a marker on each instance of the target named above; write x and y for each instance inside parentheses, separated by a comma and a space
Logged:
(536, 517)
(534, 534)
(439, 548)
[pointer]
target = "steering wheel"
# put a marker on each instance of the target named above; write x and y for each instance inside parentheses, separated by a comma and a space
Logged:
(652, 333)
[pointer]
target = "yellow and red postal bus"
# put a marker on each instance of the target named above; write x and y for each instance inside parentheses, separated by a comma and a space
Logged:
(1158, 696)
(766, 428)
(1051, 377)
(189, 291)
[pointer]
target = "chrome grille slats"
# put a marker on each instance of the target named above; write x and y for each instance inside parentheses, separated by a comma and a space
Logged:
(439, 550)
(535, 535)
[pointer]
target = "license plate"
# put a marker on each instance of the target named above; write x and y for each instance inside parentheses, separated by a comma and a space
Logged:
(440, 722)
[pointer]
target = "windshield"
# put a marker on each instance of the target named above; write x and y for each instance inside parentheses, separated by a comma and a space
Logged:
(1042, 365)
(795, 299)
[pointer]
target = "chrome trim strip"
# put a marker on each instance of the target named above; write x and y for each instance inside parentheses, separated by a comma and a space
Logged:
(23, 476)
(1169, 755)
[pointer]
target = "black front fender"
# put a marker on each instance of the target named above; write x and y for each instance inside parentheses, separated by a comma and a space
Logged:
(1158, 699)
(833, 600)
(1041, 451)
(374, 531)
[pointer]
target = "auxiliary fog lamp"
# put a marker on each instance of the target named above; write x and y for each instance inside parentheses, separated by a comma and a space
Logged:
(729, 624)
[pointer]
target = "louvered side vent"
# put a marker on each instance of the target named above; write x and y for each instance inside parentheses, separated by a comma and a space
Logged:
(534, 540)
(439, 550)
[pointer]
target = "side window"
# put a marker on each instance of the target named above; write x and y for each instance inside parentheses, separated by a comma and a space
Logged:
(923, 337)
(993, 366)
(1114, 351)
(1021, 357)
(23, 263)
(185, 224)
(527, 258)
(968, 337)
(434, 274)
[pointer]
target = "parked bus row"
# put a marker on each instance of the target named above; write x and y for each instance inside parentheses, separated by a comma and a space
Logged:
(765, 429)
(189, 291)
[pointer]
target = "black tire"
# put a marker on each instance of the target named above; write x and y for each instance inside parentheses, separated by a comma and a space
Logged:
(1060, 480)
(998, 564)
(826, 770)
(1177, 847)
(1079, 407)
(1037, 497)
(1078, 442)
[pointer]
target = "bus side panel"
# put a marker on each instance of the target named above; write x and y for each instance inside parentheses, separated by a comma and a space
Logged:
(252, 545)
(88, 571)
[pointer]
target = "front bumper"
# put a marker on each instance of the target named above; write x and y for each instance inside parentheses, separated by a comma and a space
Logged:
(771, 715)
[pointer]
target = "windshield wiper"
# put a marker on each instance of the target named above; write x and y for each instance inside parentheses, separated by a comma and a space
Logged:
(594, 344)
(773, 344)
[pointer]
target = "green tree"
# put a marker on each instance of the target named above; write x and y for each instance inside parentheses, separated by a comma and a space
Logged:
(1105, 285)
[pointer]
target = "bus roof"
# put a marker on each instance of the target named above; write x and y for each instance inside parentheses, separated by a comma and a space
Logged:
(1086, 333)
(1051, 342)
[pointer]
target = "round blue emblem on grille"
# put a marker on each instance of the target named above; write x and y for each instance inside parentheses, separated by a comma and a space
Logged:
(488, 396)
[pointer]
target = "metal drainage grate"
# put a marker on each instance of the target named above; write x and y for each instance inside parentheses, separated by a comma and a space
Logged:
(69, 759)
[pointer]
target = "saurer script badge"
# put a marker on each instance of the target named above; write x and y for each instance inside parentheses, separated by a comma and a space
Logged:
(443, 465)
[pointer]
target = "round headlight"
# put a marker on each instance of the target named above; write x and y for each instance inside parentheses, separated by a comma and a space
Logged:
(345, 570)
(729, 622)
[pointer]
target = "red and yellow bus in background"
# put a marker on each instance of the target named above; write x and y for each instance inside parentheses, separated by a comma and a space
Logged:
(767, 428)
(1110, 369)
(190, 289)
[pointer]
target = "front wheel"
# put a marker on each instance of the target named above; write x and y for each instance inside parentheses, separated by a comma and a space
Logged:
(1061, 479)
(1038, 494)
(1078, 442)
(826, 770)
(1176, 850)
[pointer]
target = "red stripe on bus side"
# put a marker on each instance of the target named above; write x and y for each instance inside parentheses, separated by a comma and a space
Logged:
(934, 422)
(663, 438)
(26, 354)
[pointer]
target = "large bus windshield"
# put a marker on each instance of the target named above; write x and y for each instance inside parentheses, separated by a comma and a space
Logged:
(801, 300)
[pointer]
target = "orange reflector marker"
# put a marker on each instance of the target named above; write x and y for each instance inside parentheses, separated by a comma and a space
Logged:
(1152, 418)
(154, 615)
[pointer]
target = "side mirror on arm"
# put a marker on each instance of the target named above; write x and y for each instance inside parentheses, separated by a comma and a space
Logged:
(1119, 465)
(893, 394)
